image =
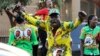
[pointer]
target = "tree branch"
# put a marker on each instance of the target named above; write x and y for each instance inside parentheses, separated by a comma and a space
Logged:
(10, 16)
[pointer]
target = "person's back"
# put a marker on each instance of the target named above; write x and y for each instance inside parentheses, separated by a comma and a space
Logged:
(22, 36)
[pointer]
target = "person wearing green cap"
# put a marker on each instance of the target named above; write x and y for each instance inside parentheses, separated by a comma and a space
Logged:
(58, 32)
(22, 36)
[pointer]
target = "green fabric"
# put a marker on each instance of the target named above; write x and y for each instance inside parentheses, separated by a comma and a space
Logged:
(11, 37)
(54, 10)
(23, 43)
(34, 37)
(94, 51)
(89, 31)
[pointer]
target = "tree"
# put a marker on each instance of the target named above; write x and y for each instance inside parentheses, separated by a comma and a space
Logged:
(8, 5)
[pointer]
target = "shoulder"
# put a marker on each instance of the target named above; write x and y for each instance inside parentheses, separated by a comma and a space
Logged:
(12, 29)
(98, 27)
(31, 27)
(67, 23)
(85, 28)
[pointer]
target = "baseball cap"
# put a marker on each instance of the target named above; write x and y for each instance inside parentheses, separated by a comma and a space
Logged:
(54, 11)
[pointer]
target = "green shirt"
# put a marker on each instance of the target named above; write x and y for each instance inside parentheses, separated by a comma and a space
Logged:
(88, 35)
(23, 37)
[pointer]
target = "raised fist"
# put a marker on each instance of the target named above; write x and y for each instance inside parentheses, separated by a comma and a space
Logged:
(82, 15)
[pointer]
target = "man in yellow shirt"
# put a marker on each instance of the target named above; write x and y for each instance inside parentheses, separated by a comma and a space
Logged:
(58, 33)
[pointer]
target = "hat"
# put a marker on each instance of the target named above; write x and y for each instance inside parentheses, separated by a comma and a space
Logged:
(54, 11)
(43, 11)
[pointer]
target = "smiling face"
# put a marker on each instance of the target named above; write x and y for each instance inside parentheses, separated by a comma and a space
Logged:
(93, 21)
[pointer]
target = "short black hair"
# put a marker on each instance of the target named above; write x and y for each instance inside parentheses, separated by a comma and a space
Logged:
(90, 18)
(19, 19)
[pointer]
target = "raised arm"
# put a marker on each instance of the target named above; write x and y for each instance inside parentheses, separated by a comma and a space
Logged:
(72, 25)
(31, 19)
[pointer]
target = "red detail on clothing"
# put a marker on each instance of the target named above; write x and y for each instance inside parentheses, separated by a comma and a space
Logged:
(44, 12)
(17, 33)
(28, 32)
(98, 37)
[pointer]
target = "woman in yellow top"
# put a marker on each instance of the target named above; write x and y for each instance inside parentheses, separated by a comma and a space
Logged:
(58, 33)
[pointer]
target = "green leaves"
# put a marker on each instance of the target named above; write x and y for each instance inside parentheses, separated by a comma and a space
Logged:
(5, 3)
(25, 2)
(10, 3)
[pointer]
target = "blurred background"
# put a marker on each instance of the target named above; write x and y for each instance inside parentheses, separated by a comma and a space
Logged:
(68, 8)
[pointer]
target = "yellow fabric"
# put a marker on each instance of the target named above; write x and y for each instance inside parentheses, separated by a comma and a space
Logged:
(32, 20)
(37, 17)
(61, 37)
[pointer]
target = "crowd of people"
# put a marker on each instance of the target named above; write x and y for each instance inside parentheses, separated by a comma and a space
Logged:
(46, 28)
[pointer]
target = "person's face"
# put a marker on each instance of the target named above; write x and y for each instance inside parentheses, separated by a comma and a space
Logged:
(94, 21)
(54, 22)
